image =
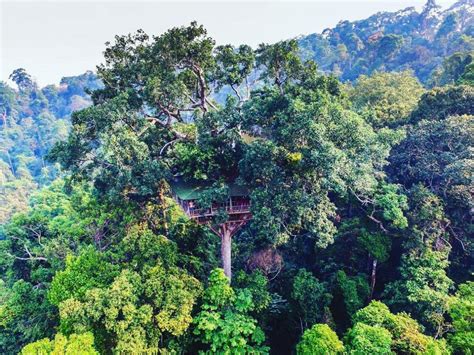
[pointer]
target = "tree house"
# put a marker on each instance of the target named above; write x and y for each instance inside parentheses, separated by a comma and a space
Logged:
(237, 208)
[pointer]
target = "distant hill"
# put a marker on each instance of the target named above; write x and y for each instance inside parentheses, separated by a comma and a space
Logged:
(394, 41)
(32, 119)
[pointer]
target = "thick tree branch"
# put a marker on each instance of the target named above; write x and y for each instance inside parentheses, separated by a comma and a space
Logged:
(364, 201)
(211, 104)
(158, 122)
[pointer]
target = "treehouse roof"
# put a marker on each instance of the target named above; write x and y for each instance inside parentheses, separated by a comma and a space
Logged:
(191, 190)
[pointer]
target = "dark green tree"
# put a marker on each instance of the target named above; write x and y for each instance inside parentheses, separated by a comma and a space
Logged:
(423, 287)
(22, 79)
(311, 299)
(441, 103)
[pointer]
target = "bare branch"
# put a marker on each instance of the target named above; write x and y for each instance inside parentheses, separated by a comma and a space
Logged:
(37, 234)
(162, 150)
(456, 237)
(30, 258)
(158, 122)
(365, 200)
(236, 91)
(211, 104)
(372, 218)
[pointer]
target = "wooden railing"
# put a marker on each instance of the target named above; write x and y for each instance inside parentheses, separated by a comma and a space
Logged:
(239, 208)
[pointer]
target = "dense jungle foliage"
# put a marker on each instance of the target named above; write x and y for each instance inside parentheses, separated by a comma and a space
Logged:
(361, 197)
(31, 121)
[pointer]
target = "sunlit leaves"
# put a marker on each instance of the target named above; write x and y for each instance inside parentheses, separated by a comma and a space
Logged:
(320, 340)
(61, 345)
(461, 311)
(223, 323)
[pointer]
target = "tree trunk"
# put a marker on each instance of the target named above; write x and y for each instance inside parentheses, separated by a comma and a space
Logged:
(226, 246)
(12, 168)
(163, 206)
(373, 277)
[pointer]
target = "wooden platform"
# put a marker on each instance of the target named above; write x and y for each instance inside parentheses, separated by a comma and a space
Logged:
(237, 208)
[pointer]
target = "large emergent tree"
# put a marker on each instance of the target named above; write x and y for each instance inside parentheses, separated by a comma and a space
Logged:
(292, 140)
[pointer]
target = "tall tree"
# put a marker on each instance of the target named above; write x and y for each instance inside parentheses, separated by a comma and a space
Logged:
(423, 288)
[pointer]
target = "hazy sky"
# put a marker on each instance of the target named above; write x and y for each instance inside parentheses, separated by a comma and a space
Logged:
(52, 39)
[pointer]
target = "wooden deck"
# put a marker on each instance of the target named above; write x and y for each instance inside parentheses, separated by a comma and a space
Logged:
(194, 212)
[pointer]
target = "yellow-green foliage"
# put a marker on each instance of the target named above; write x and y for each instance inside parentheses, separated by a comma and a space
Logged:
(134, 326)
(319, 340)
(367, 339)
(388, 97)
(405, 331)
(294, 158)
(462, 312)
(75, 344)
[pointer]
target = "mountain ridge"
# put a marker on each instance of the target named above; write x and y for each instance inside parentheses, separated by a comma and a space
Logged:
(393, 41)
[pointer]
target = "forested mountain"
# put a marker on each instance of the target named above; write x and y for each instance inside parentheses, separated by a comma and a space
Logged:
(396, 41)
(32, 119)
(360, 193)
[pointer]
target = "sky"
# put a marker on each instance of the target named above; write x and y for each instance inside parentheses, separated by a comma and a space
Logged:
(52, 39)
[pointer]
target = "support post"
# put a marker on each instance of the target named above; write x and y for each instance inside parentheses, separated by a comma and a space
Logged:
(373, 277)
(226, 249)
